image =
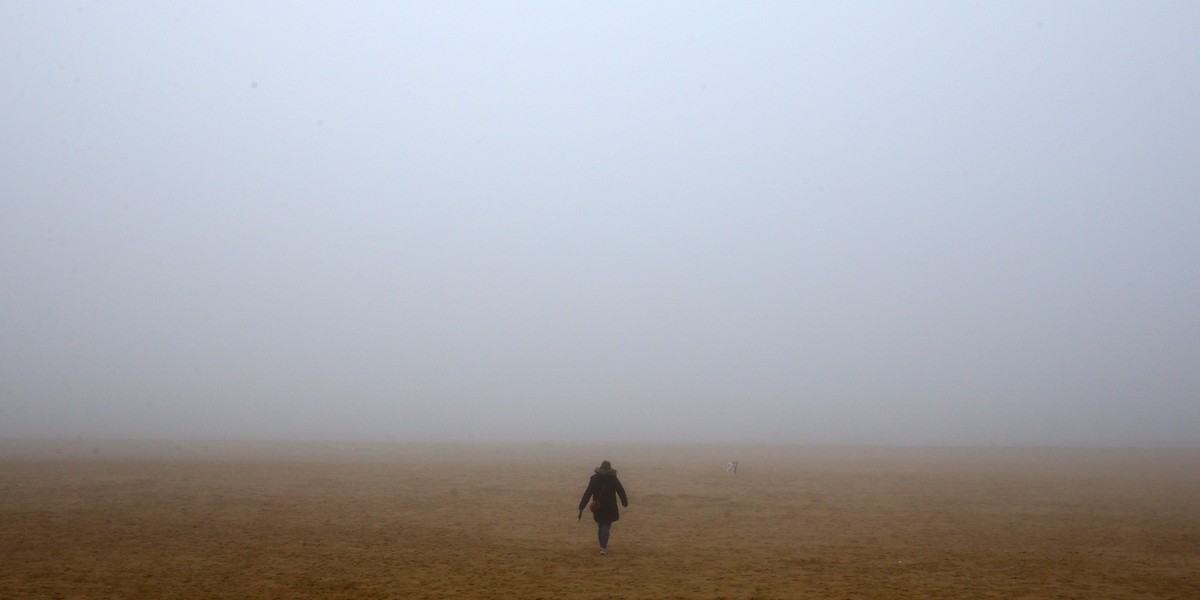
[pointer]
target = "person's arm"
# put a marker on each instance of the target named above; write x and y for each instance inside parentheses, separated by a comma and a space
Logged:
(621, 493)
(587, 494)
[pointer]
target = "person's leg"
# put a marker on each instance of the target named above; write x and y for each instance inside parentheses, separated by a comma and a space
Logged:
(603, 531)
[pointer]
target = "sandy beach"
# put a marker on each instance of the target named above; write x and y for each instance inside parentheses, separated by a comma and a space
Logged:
(262, 520)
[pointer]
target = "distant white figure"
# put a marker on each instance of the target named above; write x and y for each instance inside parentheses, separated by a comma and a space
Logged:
(731, 468)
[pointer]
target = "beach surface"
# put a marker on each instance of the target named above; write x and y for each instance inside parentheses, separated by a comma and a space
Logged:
(371, 521)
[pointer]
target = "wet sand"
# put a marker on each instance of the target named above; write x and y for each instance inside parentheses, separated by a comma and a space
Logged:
(242, 520)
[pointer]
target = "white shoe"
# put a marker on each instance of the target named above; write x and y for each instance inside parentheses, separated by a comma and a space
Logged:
(603, 551)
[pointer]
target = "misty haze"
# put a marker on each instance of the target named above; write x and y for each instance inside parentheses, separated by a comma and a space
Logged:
(389, 300)
(921, 224)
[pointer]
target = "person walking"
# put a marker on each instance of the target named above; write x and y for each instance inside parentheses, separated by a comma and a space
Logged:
(603, 489)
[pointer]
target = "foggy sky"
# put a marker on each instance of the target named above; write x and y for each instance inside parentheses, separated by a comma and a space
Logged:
(886, 223)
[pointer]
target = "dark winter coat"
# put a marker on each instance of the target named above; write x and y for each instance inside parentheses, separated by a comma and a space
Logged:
(605, 487)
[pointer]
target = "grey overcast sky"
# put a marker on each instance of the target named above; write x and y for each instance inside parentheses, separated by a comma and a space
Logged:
(793, 222)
